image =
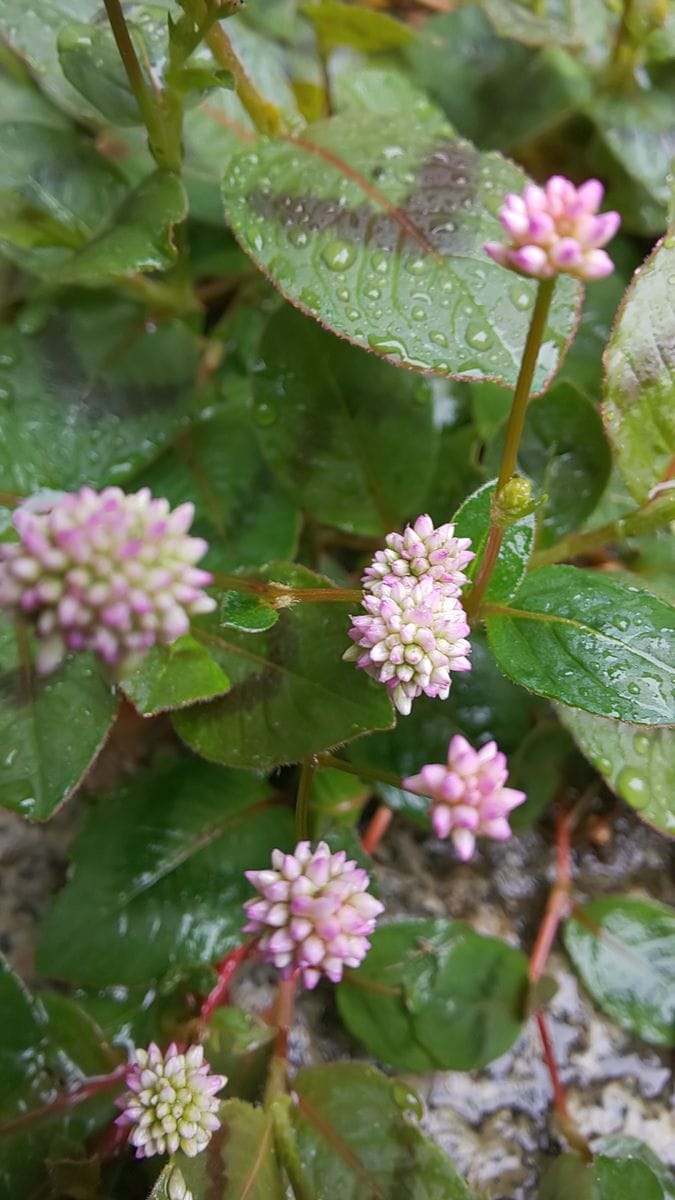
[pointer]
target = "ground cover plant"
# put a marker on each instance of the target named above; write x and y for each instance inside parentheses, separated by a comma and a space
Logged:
(337, 402)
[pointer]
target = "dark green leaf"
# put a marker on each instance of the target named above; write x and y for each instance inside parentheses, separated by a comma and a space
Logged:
(241, 510)
(603, 1179)
(624, 949)
(172, 676)
(350, 437)
(239, 1046)
(622, 1146)
(382, 241)
(423, 976)
(590, 641)
(638, 764)
(92, 395)
(338, 24)
(457, 471)
(158, 879)
(51, 729)
(336, 800)
(248, 611)
(639, 407)
(635, 149)
(472, 520)
(291, 692)
(355, 1138)
(240, 1160)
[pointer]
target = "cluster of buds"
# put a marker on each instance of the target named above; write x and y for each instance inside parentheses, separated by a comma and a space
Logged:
(103, 571)
(468, 794)
(414, 632)
(313, 913)
(556, 229)
(171, 1104)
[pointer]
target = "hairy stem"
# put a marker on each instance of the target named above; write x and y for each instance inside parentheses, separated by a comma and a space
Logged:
(514, 433)
(362, 772)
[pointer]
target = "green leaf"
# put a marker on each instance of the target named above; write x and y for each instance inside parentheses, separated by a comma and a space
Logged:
(382, 241)
(639, 765)
(472, 520)
(91, 395)
(239, 1045)
(291, 692)
(248, 611)
(624, 950)
(176, 841)
(590, 641)
(565, 453)
(338, 24)
(336, 800)
(355, 1138)
(43, 1054)
(140, 237)
(240, 508)
(240, 1161)
(534, 25)
(342, 454)
(603, 1179)
(172, 676)
(639, 405)
(91, 62)
(622, 1146)
(635, 146)
(422, 976)
(51, 729)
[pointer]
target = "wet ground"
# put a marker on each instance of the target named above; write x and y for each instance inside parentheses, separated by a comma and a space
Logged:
(495, 1123)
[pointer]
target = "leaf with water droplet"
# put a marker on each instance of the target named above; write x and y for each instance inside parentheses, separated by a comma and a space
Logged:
(624, 949)
(417, 209)
(638, 766)
(559, 638)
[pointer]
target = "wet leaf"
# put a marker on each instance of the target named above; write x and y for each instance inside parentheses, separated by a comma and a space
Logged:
(338, 24)
(638, 764)
(45, 757)
(240, 1160)
(550, 22)
(472, 520)
(383, 243)
(173, 676)
(624, 950)
(355, 1136)
(424, 975)
(291, 692)
(92, 395)
(158, 883)
(621, 1146)
(351, 438)
(639, 405)
(635, 145)
(603, 1179)
(590, 641)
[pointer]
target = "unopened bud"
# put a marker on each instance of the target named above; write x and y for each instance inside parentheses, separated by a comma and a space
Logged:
(514, 501)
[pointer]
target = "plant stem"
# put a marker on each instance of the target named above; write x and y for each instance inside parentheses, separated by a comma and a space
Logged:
(226, 969)
(379, 824)
(656, 513)
(160, 147)
(91, 1087)
(514, 433)
(279, 595)
(276, 1079)
(309, 765)
(362, 772)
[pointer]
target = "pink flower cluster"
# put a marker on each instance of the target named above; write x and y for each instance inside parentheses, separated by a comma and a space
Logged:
(313, 913)
(415, 631)
(468, 796)
(171, 1104)
(556, 228)
(103, 571)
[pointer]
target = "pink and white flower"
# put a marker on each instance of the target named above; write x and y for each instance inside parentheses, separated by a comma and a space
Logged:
(556, 229)
(421, 550)
(103, 571)
(313, 913)
(171, 1104)
(468, 794)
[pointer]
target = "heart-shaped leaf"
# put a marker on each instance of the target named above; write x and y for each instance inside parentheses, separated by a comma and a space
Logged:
(624, 949)
(173, 676)
(421, 976)
(381, 239)
(590, 641)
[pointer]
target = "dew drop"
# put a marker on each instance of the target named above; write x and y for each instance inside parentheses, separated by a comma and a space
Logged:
(439, 338)
(299, 237)
(343, 294)
(264, 413)
(604, 765)
(634, 689)
(6, 394)
(519, 297)
(418, 313)
(641, 743)
(380, 262)
(407, 1099)
(633, 787)
(478, 335)
(338, 255)
(7, 359)
(416, 266)
(373, 293)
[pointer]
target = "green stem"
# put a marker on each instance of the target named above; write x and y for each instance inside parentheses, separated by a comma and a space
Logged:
(309, 765)
(655, 514)
(160, 144)
(362, 772)
(514, 433)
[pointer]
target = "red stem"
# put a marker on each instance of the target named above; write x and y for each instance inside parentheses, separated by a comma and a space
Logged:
(379, 824)
(97, 1083)
(227, 969)
(559, 1095)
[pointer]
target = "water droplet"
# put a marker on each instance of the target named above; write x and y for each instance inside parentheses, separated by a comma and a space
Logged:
(7, 359)
(407, 1099)
(633, 787)
(519, 297)
(338, 255)
(6, 394)
(299, 237)
(418, 313)
(264, 413)
(634, 689)
(343, 294)
(373, 293)
(641, 743)
(380, 262)
(620, 623)
(353, 314)
(417, 266)
(392, 151)
(439, 338)
(478, 335)
(604, 766)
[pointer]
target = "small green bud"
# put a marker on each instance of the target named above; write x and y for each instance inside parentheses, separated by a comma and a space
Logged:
(514, 501)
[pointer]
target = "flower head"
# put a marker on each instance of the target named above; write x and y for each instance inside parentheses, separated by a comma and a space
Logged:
(468, 796)
(556, 228)
(413, 636)
(103, 571)
(313, 913)
(421, 550)
(171, 1104)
